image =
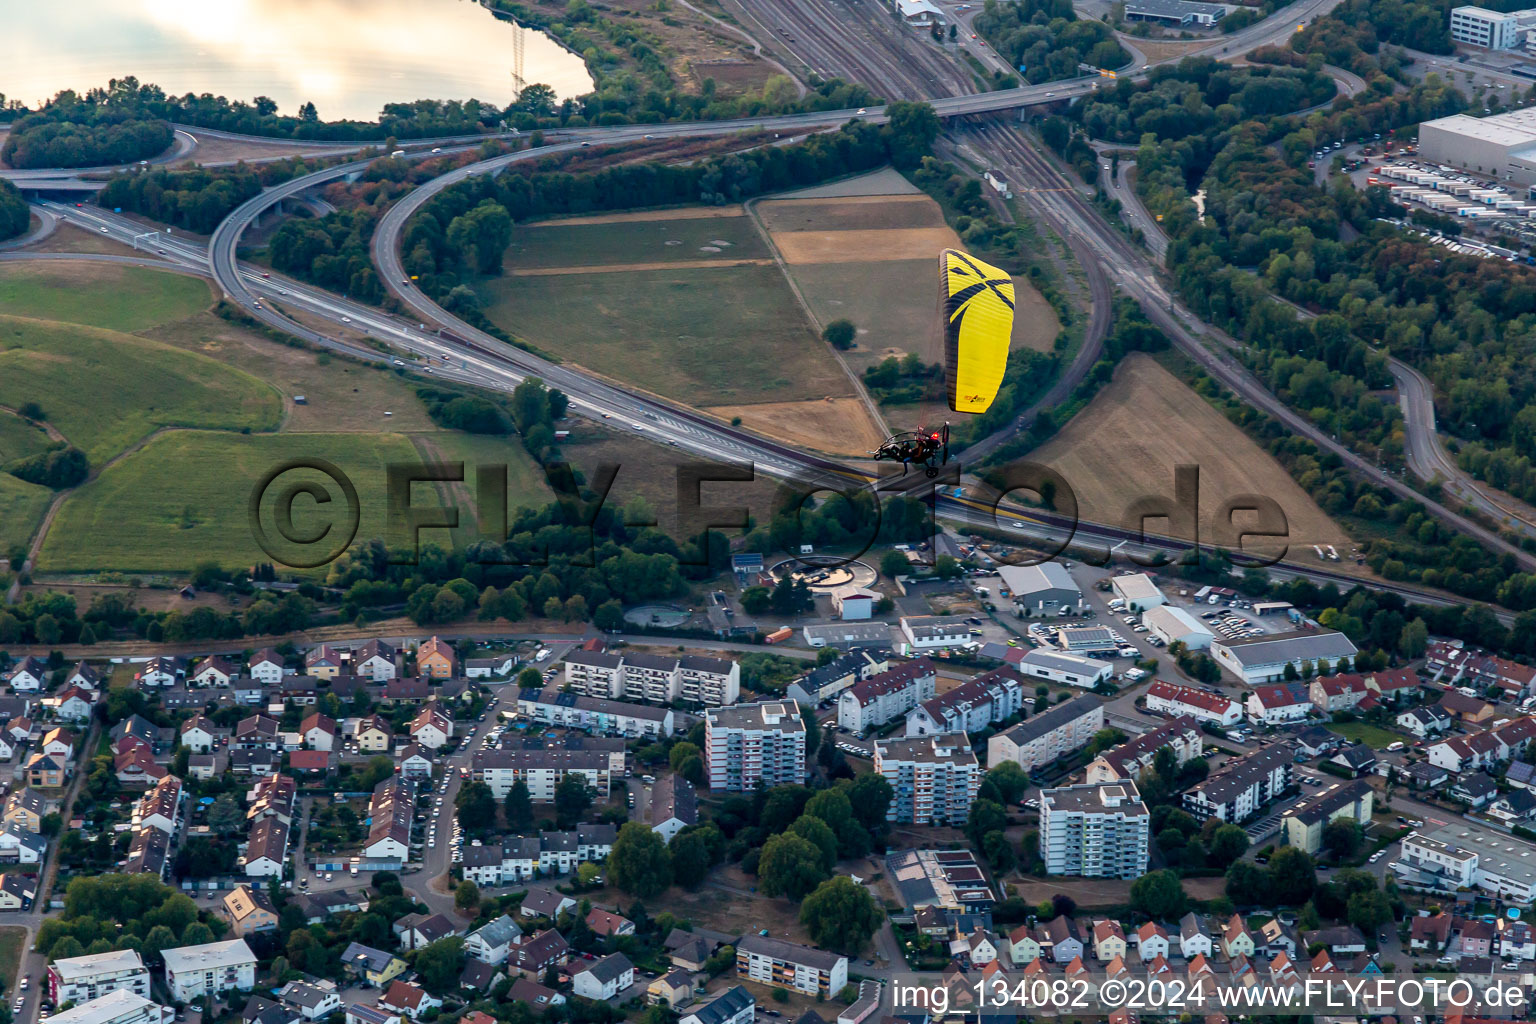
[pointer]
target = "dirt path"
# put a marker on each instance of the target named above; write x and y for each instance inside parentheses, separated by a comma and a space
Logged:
(43, 425)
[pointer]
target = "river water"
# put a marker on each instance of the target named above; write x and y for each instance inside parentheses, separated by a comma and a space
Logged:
(348, 57)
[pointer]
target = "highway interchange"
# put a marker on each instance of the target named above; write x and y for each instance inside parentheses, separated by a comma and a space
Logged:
(442, 345)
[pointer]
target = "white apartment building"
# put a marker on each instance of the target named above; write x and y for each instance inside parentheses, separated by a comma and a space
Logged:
(1491, 30)
(211, 969)
(879, 698)
(522, 858)
(541, 769)
(1044, 737)
(120, 1007)
(1066, 669)
(805, 969)
(1467, 855)
(750, 744)
(933, 778)
(595, 673)
(985, 700)
(551, 706)
(1094, 831)
(647, 677)
(77, 979)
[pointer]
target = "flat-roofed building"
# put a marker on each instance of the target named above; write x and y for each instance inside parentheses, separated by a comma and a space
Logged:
(847, 634)
(210, 969)
(541, 769)
(595, 673)
(77, 979)
(1263, 659)
(1467, 855)
(1067, 669)
(1489, 30)
(1094, 831)
(933, 779)
(119, 1007)
(1181, 13)
(935, 632)
(750, 744)
(552, 706)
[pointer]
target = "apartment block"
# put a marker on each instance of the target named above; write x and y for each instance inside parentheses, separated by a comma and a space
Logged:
(879, 698)
(76, 979)
(541, 769)
(751, 744)
(210, 969)
(805, 969)
(987, 699)
(933, 778)
(1237, 790)
(634, 676)
(1048, 735)
(1094, 831)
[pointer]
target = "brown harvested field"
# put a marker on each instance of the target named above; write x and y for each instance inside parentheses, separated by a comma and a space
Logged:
(850, 213)
(1128, 440)
(873, 246)
(212, 150)
(616, 268)
(683, 213)
(155, 599)
(733, 77)
(841, 426)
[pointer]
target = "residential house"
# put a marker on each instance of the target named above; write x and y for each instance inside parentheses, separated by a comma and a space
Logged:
(85, 676)
(28, 675)
(359, 1013)
(417, 930)
(535, 996)
(1152, 941)
(213, 670)
(605, 978)
(375, 660)
(674, 806)
(1517, 807)
(431, 728)
(319, 732)
(1467, 710)
(160, 672)
(608, 924)
(1426, 721)
(1059, 938)
(323, 662)
(479, 976)
(1275, 938)
(534, 954)
(266, 667)
(1338, 940)
(73, 705)
(46, 771)
(197, 734)
(1236, 940)
(414, 763)
(309, 762)
(1356, 758)
(374, 735)
(312, 998)
(1108, 940)
(1429, 932)
(491, 943)
(542, 901)
(58, 742)
(672, 990)
(408, 999)
(372, 966)
(258, 732)
(17, 891)
(435, 658)
(1476, 790)
(25, 809)
(1023, 946)
(733, 1006)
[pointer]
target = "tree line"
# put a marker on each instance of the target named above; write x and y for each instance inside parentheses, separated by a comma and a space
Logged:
(1047, 39)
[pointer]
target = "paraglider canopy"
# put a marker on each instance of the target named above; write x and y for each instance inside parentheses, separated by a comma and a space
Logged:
(976, 300)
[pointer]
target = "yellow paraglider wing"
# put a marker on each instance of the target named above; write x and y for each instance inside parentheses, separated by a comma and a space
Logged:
(977, 303)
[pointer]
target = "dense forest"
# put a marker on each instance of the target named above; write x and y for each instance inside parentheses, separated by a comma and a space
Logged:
(1046, 37)
(75, 131)
(14, 214)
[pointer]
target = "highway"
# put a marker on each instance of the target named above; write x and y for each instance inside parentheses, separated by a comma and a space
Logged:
(455, 350)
